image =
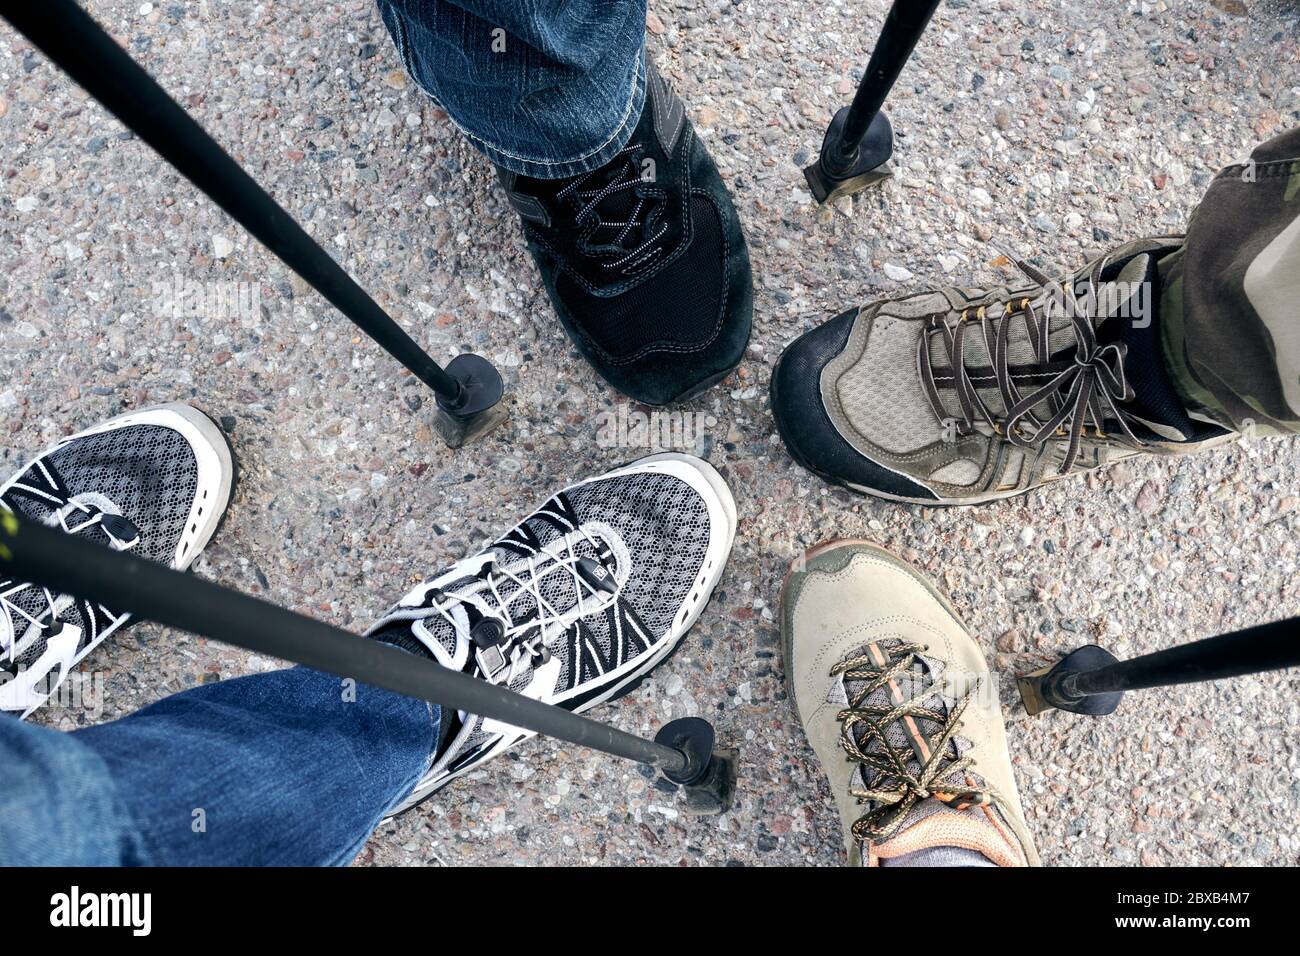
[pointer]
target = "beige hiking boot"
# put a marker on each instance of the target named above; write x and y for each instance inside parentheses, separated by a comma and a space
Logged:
(900, 708)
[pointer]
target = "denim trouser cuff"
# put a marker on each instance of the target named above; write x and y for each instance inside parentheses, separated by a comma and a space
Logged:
(550, 90)
(538, 167)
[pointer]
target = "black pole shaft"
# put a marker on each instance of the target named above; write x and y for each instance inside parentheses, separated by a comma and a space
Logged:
(75, 42)
(1267, 647)
(904, 24)
(43, 556)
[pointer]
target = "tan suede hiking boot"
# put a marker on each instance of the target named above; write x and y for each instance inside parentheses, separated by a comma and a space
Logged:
(900, 708)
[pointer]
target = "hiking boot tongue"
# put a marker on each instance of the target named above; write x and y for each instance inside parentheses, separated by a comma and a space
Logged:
(1154, 402)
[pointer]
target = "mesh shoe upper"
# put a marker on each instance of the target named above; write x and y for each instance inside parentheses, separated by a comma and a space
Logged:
(650, 530)
(154, 483)
(571, 604)
(148, 471)
(144, 473)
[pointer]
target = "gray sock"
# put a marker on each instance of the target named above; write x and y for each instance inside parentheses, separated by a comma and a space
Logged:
(940, 856)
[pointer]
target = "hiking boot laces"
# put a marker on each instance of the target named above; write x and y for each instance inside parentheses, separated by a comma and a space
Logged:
(637, 216)
(1086, 390)
(897, 778)
(73, 516)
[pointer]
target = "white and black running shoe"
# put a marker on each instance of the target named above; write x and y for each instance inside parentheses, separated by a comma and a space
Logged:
(576, 603)
(154, 482)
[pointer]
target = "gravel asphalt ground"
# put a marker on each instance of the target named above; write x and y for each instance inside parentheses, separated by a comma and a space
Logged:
(1054, 126)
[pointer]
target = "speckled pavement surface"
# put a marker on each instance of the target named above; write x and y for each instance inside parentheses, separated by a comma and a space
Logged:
(1057, 128)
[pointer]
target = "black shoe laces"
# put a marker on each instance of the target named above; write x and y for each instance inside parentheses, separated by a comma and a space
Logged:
(620, 212)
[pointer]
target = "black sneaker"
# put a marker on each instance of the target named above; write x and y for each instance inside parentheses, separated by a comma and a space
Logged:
(644, 259)
(154, 482)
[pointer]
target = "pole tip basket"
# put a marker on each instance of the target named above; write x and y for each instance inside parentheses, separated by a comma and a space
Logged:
(478, 407)
(834, 174)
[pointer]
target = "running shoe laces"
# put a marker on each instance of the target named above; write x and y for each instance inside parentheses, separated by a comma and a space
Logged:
(513, 615)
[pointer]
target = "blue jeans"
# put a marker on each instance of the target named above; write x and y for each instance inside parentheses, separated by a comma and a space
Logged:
(291, 768)
(545, 88)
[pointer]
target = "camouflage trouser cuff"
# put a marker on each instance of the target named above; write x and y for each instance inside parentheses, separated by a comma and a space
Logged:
(1230, 298)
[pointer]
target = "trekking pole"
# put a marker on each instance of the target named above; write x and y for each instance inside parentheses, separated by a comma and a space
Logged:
(468, 391)
(1091, 680)
(683, 750)
(858, 143)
